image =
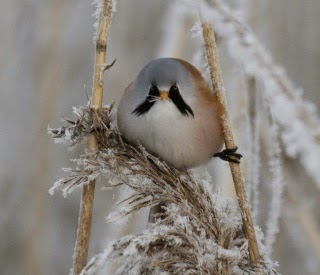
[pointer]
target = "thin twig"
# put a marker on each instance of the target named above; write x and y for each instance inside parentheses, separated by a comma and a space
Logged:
(216, 79)
(86, 206)
(254, 122)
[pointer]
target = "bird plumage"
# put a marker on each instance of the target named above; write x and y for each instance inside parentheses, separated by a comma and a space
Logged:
(183, 129)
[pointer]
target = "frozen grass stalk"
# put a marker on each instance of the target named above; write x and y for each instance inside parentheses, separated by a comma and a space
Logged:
(86, 206)
(255, 162)
(216, 79)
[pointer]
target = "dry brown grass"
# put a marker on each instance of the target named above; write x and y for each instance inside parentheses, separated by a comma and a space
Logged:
(200, 232)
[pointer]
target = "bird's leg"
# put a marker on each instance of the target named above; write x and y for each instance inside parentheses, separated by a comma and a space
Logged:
(229, 155)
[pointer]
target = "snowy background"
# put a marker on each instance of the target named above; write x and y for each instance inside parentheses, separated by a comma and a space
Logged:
(46, 61)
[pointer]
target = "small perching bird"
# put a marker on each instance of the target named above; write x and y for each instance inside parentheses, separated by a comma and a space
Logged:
(171, 111)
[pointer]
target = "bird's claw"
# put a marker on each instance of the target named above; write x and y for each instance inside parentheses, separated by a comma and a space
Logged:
(229, 155)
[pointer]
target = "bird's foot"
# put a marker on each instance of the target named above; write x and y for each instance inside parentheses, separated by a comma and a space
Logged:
(229, 155)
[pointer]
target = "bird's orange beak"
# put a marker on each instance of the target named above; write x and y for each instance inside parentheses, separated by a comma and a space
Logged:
(164, 95)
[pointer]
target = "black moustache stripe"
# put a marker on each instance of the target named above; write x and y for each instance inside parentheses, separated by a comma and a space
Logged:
(177, 99)
(144, 107)
(174, 95)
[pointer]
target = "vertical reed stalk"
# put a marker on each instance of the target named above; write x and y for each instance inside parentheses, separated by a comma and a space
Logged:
(86, 206)
(215, 73)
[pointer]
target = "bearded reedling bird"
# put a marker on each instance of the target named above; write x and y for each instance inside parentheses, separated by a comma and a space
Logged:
(171, 111)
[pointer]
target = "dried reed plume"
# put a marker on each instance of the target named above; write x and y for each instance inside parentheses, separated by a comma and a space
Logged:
(200, 233)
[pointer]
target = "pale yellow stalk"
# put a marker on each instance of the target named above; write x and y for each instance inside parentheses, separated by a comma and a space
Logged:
(86, 206)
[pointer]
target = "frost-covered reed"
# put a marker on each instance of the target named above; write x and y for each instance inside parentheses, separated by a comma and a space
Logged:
(199, 233)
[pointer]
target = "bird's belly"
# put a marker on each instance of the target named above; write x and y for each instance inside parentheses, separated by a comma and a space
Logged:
(180, 151)
(182, 141)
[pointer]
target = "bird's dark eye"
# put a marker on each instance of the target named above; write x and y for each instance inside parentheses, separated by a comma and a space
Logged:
(175, 87)
(153, 90)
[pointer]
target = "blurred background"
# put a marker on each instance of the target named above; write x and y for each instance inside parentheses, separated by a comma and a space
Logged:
(46, 67)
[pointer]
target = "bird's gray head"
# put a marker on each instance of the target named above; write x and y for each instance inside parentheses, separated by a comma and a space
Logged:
(166, 79)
